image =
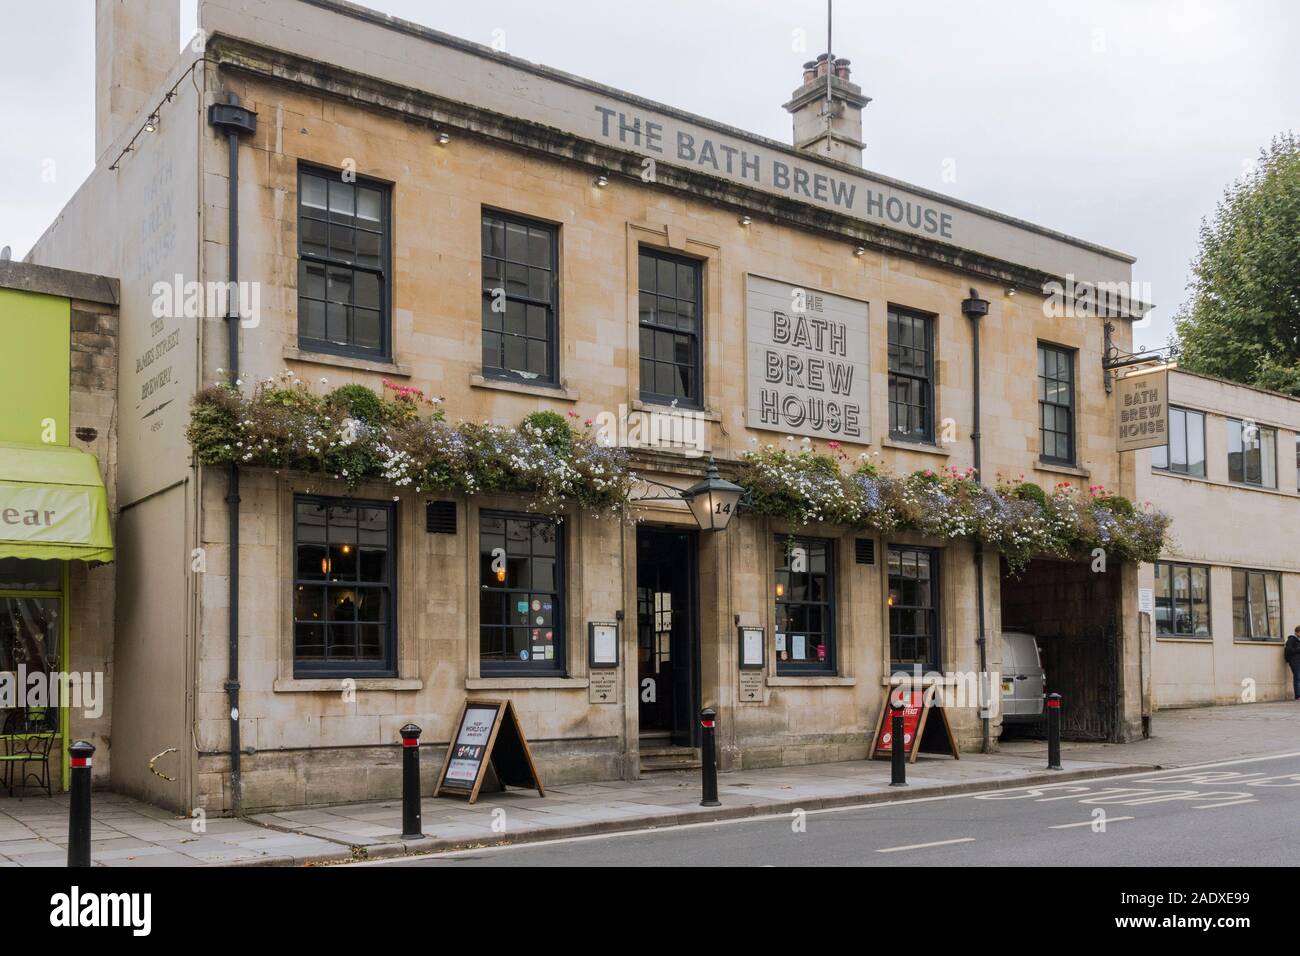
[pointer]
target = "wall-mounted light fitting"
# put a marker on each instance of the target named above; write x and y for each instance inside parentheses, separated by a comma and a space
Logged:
(151, 124)
(602, 180)
(1011, 291)
(745, 220)
(860, 251)
(444, 137)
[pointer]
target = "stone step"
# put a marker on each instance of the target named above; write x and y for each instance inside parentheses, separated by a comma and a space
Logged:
(660, 759)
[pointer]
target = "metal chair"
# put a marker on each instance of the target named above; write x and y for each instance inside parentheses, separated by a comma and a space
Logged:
(29, 737)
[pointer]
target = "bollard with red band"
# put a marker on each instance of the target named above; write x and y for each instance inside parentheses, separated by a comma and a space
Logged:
(897, 743)
(79, 757)
(708, 756)
(412, 827)
(1053, 731)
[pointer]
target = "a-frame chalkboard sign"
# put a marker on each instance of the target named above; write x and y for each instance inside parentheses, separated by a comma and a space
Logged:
(488, 736)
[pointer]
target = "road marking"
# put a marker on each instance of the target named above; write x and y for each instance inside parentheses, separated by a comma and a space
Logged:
(1232, 803)
(922, 846)
(785, 815)
(1087, 823)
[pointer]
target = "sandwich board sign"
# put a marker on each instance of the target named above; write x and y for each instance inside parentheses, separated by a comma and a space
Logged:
(920, 731)
(488, 738)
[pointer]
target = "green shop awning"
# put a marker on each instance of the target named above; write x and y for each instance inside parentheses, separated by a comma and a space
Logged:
(52, 504)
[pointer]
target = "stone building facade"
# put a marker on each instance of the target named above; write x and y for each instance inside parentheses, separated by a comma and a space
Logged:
(1225, 593)
(420, 152)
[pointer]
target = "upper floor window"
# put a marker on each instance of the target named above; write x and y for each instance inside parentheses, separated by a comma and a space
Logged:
(520, 298)
(671, 342)
(913, 608)
(521, 594)
(343, 242)
(1182, 600)
(1184, 454)
(1256, 605)
(1252, 453)
(344, 581)
(911, 376)
(805, 605)
(1056, 404)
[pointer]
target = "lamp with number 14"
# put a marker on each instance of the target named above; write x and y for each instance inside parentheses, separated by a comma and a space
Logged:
(713, 501)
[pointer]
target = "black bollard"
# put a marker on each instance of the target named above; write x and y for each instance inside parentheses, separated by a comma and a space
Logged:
(79, 755)
(709, 762)
(411, 826)
(1053, 731)
(897, 747)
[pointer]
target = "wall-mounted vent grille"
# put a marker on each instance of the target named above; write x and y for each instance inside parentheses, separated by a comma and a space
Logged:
(864, 551)
(440, 517)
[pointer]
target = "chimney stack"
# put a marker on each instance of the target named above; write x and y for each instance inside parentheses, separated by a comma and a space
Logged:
(136, 44)
(835, 133)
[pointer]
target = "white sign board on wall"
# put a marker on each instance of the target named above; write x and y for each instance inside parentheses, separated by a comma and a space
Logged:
(806, 362)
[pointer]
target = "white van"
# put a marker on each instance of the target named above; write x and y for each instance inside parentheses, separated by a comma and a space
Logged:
(1023, 680)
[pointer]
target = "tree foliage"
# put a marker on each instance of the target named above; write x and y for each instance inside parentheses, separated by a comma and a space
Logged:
(1243, 321)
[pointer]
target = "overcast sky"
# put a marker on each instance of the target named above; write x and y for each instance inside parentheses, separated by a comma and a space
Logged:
(1118, 122)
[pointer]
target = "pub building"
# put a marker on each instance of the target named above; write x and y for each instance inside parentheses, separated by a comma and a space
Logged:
(58, 383)
(391, 184)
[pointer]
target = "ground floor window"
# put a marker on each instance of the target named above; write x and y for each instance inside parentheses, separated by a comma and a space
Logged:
(1182, 600)
(913, 608)
(805, 605)
(1256, 605)
(344, 607)
(521, 581)
(32, 627)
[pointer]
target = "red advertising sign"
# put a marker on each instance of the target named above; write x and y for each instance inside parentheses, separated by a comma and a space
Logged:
(913, 705)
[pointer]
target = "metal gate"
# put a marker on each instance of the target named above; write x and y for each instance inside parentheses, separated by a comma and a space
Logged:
(1084, 669)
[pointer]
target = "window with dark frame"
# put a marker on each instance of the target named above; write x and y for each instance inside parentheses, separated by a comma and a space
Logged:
(1256, 605)
(520, 298)
(805, 605)
(911, 375)
(343, 251)
(344, 607)
(913, 608)
(1252, 453)
(1182, 600)
(670, 296)
(1184, 453)
(521, 600)
(1056, 404)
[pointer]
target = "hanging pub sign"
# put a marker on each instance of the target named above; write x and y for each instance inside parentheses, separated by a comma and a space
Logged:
(920, 730)
(488, 739)
(1142, 410)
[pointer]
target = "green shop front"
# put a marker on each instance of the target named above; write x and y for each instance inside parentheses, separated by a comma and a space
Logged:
(55, 522)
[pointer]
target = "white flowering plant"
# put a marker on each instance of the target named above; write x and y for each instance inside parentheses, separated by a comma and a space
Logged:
(1017, 518)
(403, 438)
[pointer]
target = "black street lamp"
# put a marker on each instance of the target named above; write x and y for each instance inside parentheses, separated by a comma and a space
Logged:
(713, 501)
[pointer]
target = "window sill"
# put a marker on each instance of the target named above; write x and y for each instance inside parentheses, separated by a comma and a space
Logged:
(1174, 639)
(1263, 641)
(662, 408)
(526, 683)
(292, 354)
(811, 680)
(1059, 469)
(334, 685)
(923, 447)
(523, 388)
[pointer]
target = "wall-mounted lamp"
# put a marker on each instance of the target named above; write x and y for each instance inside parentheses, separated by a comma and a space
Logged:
(151, 124)
(1011, 291)
(602, 180)
(444, 138)
(745, 220)
(860, 251)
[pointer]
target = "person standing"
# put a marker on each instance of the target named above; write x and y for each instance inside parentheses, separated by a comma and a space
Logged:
(1292, 655)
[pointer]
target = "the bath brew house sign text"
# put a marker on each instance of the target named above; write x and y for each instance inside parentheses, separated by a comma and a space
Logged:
(806, 369)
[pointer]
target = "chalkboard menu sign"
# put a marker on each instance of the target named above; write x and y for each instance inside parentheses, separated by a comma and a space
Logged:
(488, 736)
